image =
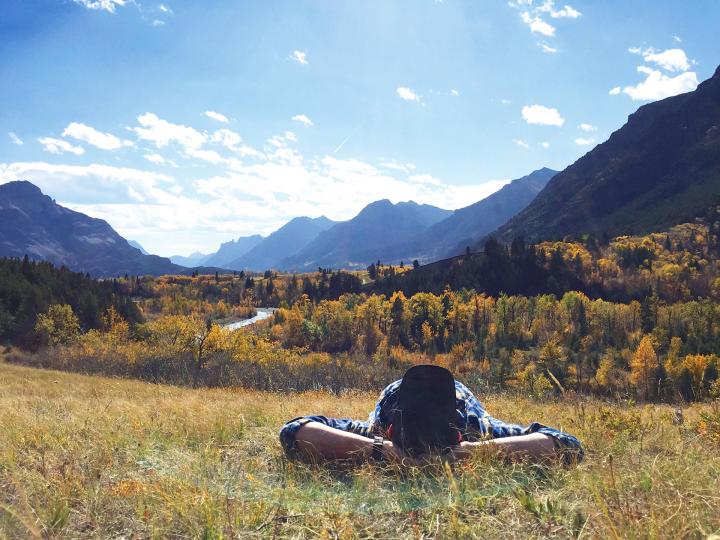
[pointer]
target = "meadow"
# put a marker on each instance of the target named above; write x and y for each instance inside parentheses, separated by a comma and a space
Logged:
(94, 457)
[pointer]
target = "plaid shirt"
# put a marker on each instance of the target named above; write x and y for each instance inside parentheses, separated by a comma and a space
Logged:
(473, 421)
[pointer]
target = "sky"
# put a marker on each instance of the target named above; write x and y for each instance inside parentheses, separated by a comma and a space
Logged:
(185, 124)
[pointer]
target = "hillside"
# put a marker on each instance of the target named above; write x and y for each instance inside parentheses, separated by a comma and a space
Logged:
(32, 223)
(285, 242)
(661, 168)
(360, 241)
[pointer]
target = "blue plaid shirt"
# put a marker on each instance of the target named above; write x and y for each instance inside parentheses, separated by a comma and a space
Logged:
(473, 421)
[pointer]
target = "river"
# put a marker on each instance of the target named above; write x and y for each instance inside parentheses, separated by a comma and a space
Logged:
(262, 314)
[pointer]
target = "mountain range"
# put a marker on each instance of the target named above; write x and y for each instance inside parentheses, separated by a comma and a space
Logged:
(358, 242)
(659, 169)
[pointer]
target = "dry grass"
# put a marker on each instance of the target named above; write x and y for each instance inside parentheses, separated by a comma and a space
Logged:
(95, 457)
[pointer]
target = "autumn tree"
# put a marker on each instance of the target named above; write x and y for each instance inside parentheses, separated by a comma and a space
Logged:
(643, 366)
(58, 325)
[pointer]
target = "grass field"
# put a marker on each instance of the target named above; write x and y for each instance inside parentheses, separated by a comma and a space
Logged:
(89, 457)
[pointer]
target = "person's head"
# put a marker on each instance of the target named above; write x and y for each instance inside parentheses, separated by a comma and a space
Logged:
(425, 416)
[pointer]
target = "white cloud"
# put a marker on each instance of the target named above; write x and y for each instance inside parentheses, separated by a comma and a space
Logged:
(300, 57)
(14, 138)
(584, 142)
(162, 132)
(537, 24)
(304, 120)
(247, 192)
(545, 144)
(158, 22)
(522, 143)
(454, 92)
(217, 116)
(676, 39)
(587, 127)
(59, 146)
(506, 102)
(670, 60)
(547, 48)
(394, 165)
(165, 9)
(567, 12)
(657, 85)
(90, 135)
(94, 183)
(103, 5)
(539, 114)
(157, 159)
(408, 95)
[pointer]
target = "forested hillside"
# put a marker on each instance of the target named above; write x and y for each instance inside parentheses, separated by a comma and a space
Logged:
(28, 289)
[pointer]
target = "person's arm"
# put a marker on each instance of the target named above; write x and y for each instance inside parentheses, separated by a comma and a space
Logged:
(320, 441)
(535, 446)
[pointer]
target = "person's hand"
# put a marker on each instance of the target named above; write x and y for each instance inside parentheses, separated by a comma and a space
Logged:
(395, 456)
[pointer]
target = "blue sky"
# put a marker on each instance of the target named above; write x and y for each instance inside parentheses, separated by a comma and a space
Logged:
(186, 123)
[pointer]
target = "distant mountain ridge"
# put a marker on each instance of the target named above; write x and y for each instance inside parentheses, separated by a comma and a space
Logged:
(192, 260)
(357, 242)
(661, 168)
(33, 224)
(229, 251)
(285, 242)
(466, 225)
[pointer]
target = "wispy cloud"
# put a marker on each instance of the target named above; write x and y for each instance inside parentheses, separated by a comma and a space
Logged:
(522, 143)
(580, 141)
(545, 144)
(300, 57)
(539, 114)
(587, 127)
(547, 48)
(93, 137)
(59, 146)
(217, 116)
(407, 94)
(102, 5)
(14, 138)
(303, 119)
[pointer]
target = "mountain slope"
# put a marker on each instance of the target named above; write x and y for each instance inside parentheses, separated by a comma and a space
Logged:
(32, 223)
(285, 242)
(466, 225)
(661, 168)
(361, 240)
(229, 251)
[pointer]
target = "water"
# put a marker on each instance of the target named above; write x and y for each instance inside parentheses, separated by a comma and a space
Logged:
(262, 314)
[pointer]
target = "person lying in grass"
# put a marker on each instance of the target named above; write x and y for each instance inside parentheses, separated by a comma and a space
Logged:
(425, 413)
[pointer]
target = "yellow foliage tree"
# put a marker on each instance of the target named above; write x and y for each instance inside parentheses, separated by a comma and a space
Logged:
(58, 325)
(643, 365)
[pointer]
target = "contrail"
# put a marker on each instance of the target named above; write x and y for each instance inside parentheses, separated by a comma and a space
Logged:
(342, 144)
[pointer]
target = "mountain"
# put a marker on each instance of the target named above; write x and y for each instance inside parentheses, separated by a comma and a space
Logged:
(229, 251)
(137, 245)
(360, 241)
(661, 168)
(466, 225)
(32, 223)
(285, 242)
(192, 260)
